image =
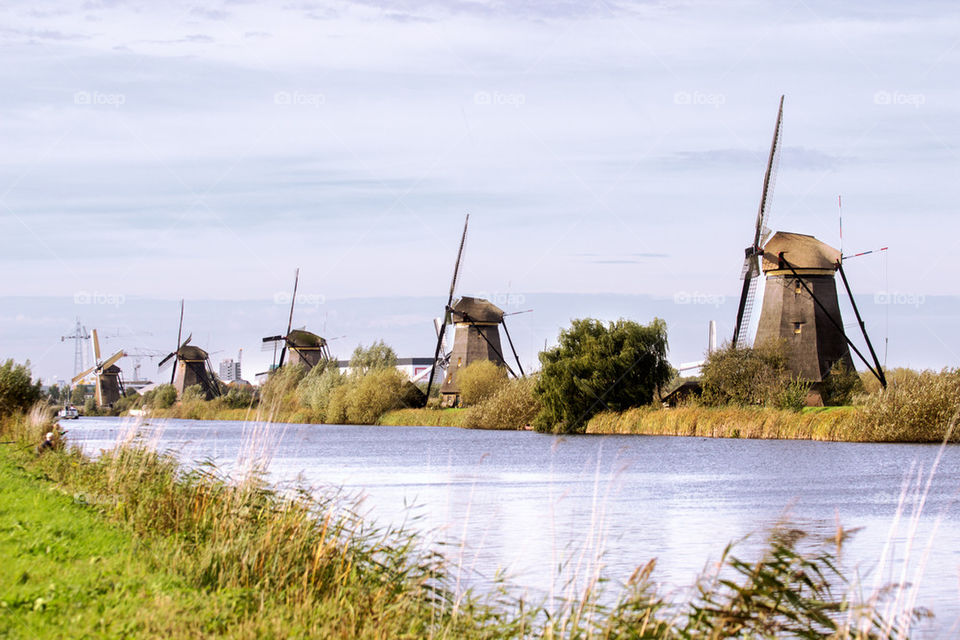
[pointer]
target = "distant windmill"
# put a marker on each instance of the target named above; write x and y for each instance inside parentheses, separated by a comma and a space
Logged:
(476, 335)
(303, 347)
(108, 381)
(800, 303)
(191, 366)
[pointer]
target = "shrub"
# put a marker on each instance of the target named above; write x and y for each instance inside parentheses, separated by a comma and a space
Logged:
(373, 395)
(377, 356)
(745, 376)
(316, 389)
(280, 390)
(479, 380)
(160, 397)
(793, 395)
(600, 367)
(17, 391)
(238, 397)
(916, 407)
(512, 406)
(841, 385)
(193, 394)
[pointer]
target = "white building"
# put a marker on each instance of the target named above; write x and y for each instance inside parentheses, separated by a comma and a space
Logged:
(230, 370)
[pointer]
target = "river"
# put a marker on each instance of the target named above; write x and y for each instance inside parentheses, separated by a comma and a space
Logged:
(525, 503)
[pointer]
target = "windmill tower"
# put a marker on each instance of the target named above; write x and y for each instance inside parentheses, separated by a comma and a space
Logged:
(800, 304)
(108, 383)
(191, 366)
(476, 336)
(299, 345)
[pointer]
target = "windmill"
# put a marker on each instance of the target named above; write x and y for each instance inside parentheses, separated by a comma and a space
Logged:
(191, 366)
(303, 347)
(108, 382)
(800, 303)
(476, 335)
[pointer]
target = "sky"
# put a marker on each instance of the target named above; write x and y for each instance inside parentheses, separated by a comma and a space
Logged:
(161, 151)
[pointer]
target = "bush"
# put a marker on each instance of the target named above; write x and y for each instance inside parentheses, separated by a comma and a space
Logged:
(17, 390)
(163, 396)
(377, 356)
(280, 390)
(916, 407)
(745, 376)
(316, 389)
(373, 395)
(193, 394)
(479, 380)
(600, 367)
(512, 406)
(841, 385)
(130, 400)
(793, 395)
(238, 397)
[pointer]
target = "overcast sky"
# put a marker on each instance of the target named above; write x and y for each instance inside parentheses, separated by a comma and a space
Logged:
(166, 150)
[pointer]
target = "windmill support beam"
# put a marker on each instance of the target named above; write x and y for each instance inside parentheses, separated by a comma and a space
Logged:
(510, 341)
(830, 317)
(863, 327)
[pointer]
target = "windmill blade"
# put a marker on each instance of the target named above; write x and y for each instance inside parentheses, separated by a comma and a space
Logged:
(283, 354)
(112, 360)
(744, 311)
(446, 312)
(769, 177)
(186, 342)
(81, 376)
(96, 346)
(293, 301)
(166, 362)
(270, 343)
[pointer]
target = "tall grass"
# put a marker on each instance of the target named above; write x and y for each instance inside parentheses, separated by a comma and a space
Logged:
(915, 407)
(301, 563)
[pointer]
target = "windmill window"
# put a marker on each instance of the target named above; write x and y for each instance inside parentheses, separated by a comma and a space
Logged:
(798, 289)
(797, 327)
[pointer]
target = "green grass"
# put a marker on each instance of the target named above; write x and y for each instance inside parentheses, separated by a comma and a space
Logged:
(424, 418)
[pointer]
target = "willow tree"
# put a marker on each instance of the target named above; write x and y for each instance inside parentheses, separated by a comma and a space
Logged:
(600, 367)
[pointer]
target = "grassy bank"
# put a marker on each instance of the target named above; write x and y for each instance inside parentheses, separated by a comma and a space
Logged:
(132, 545)
(834, 423)
(424, 418)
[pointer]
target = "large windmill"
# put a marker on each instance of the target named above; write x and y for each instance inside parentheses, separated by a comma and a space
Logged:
(108, 383)
(299, 345)
(191, 366)
(800, 302)
(476, 336)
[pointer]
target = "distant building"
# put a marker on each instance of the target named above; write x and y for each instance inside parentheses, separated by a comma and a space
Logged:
(230, 370)
(415, 369)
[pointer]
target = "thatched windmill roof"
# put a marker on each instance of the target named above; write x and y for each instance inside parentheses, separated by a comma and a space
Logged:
(801, 251)
(476, 310)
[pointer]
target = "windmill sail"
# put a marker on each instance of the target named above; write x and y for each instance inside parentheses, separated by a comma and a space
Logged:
(446, 310)
(751, 262)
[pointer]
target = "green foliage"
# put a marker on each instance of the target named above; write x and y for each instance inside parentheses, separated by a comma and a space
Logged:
(129, 401)
(162, 396)
(78, 395)
(841, 385)
(17, 390)
(916, 407)
(513, 405)
(793, 395)
(377, 356)
(316, 388)
(238, 397)
(374, 394)
(90, 407)
(280, 389)
(745, 376)
(479, 380)
(193, 394)
(600, 367)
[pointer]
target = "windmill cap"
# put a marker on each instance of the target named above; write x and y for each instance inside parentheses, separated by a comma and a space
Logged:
(191, 352)
(304, 338)
(478, 310)
(801, 251)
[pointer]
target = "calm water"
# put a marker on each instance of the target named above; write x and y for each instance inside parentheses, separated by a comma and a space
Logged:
(525, 502)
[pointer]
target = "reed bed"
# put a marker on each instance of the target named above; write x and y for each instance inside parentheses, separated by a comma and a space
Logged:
(423, 418)
(835, 423)
(291, 562)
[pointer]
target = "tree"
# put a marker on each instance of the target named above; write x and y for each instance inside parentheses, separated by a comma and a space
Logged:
(377, 356)
(600, 367)
(17, 390)
(747, 376)
(479, 380)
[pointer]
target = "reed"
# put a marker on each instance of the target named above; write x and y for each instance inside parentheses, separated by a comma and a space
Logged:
(424, 418)
(254, 560)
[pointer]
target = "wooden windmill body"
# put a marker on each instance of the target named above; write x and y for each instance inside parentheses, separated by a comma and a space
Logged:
(798, 303)
(476, 336)
(108, 381)
(191, 366)
(800, 307)
(297, 346)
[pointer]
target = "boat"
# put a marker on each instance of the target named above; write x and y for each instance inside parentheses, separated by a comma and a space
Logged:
(68, 413)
